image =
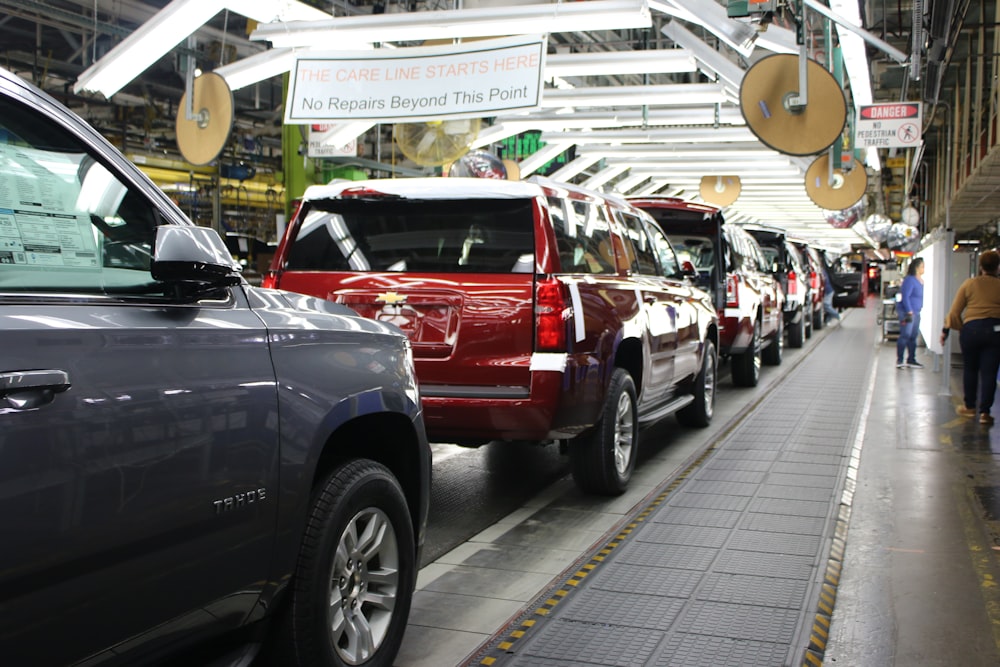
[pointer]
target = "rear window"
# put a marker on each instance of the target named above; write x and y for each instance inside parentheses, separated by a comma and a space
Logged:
(699, 250)
(428, 236)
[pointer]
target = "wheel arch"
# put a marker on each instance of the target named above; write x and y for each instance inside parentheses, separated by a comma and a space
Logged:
(387, 438)
(629, 356)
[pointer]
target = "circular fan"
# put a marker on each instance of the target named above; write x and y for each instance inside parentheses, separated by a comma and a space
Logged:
(436, 142)
(843, 191)
(766, 95)
(202, 137)
(720, 190)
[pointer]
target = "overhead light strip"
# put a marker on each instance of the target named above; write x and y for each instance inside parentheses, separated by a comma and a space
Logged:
(169, 27)
(458, 23)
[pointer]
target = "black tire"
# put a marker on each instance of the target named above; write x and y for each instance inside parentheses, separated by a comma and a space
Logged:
(797, 334)
(699, 413)
(353, 610)
(603, 458)
(772, 353)
(807, 318)
(818, 319)
(746, 366)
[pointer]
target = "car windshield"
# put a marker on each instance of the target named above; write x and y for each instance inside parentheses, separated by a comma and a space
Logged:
(67, 223)
(436, 236)
(699, 249)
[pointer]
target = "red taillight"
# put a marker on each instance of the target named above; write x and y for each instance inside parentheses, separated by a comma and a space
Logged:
(732, 293)
(360, 191)
(269, 279)
(551, 312)
(814, 280)
(793, 283)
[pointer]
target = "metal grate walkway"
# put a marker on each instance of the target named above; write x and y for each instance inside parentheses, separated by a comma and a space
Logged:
(737, 560)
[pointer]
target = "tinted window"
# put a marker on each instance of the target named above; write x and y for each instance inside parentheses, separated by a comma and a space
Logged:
(794, 258)
(700, 250)
(583, 235)
(641, 251)
(664, 251)
(435, 236)
(67, 223)
(771, 255)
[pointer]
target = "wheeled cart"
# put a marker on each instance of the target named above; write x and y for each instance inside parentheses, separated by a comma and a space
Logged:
(888, 318)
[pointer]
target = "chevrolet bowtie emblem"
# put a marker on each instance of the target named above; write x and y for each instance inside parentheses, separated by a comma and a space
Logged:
(390, 298)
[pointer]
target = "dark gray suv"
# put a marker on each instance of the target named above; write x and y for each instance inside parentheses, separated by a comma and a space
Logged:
(184, 456)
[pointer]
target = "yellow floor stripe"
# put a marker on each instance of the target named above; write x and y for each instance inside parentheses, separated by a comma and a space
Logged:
(984, 561)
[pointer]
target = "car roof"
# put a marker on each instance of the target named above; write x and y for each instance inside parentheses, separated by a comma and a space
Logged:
(429, 188)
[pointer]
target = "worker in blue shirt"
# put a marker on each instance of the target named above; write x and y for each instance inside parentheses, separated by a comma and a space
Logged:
(911, 300)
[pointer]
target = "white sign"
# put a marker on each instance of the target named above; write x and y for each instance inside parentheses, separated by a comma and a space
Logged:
(322, 142)
(893, 125)
(468, 80)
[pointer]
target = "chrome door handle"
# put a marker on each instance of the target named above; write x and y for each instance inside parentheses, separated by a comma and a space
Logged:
(24, 390)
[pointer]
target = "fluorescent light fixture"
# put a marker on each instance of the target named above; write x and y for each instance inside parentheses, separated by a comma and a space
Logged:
(694, 171)
(612, 96)
(739, 35)
(706, 114)
(277, 61)
(575, 167)
(456, 23)
(714, 17)
(715, 62)
(672, 135)
(650, 188)
(604, 175)
(657, 61)
(724, 152)
(540, 158)
(169, 27)
(696, 180)
(347, 132)
(846, 15)
(257, 67)
(147, 44)
(630, 182)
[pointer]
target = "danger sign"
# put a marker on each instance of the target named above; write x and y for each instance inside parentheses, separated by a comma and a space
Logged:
(893, 125)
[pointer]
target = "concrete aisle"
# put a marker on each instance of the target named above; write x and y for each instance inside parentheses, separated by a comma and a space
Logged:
(920, 577)
(848, 487)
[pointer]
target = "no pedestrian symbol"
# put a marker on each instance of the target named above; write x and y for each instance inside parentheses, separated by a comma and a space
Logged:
(894, 125)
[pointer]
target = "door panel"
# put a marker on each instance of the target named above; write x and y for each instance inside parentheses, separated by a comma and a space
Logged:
(149, 479)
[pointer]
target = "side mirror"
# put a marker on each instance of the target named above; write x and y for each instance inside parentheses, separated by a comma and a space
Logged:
(194, 256)
(688, 270)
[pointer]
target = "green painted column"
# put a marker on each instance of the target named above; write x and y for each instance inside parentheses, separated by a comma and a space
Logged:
(299, 171)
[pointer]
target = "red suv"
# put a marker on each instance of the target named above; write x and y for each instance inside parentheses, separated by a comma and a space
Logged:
(537, 310)
(732, 268)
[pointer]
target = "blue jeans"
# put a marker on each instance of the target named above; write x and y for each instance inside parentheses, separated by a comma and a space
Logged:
(907, 341)
(980, 342)
(829, 312)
